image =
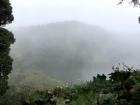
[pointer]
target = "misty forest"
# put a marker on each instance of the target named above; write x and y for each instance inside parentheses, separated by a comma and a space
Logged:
(69, 61)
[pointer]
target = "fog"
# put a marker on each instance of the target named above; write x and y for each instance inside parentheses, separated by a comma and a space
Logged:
(72, 50)
(106, 14)
(74, 39)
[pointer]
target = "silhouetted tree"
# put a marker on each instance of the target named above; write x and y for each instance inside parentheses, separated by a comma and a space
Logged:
(135, 2)
(6, 39)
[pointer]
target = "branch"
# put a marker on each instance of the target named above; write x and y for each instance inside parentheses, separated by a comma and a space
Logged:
(135, 2)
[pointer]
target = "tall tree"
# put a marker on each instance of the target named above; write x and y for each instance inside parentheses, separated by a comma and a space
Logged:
(6, 39)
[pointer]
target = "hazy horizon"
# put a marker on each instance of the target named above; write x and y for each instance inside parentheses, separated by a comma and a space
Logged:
(93, 35)
(74, 48)
(106, 14)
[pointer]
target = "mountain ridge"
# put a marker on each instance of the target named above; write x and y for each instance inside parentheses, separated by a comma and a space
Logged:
(68, 50)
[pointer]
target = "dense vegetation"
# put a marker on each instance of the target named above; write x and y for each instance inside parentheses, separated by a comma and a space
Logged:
(122, 87)
(6, 39)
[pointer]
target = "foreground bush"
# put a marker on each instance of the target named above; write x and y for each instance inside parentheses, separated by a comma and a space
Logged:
(122, 88)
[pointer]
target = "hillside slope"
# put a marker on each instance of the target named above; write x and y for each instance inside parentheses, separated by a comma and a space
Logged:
(33, 79)
(70, 50)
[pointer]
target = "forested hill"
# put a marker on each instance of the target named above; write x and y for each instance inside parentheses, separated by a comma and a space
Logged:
(70, 50)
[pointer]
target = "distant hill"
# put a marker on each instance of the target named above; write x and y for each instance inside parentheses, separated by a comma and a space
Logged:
(69, 50)
(33, 79)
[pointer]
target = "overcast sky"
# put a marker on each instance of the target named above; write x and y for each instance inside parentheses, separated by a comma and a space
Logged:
(104, 13)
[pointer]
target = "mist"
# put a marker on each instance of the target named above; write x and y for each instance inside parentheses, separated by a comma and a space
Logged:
(74, 40)
(72, 50)
(69, 52)
(107, 14)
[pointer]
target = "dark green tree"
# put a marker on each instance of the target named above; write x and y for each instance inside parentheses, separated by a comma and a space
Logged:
(6, 39)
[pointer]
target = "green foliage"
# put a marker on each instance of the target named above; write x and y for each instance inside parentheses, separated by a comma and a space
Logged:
(6, 39)
(119, 75)
(33, 79)
(6, 16)
(122, 88)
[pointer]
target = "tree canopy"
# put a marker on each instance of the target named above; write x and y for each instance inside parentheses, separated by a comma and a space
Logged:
(6, 39)
(6, 16)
